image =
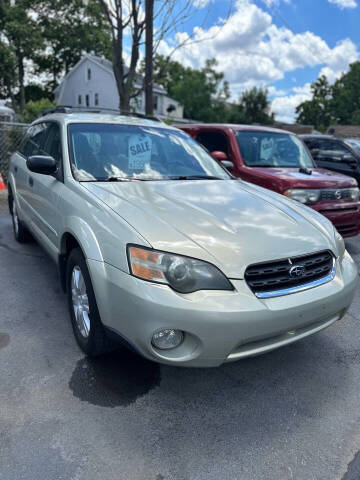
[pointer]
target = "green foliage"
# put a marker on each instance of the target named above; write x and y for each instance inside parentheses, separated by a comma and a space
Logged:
(345, 102)
(338, 104)
(33, 110)
(201, 92)
(317, 111)
(36, 92)
(7, 70)
(20, 32)
(255, 106)
(205, 95)
(53, 35)
(69, 29)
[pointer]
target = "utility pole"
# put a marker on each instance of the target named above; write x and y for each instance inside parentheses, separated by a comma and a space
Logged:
(149, 35)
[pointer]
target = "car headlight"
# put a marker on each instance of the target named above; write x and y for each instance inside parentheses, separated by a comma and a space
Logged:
(340, 244)
(303, 196)
(355, 194)
(183, 274)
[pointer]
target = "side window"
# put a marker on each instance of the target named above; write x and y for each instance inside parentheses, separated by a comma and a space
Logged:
(34, 141)
(312, 144)
(213, 141)
(332, 151)
(53, 143)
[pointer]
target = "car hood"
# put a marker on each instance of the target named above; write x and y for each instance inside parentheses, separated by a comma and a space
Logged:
(320, 178)
(229, 223)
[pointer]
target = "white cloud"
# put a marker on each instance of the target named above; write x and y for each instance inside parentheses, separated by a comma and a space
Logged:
(338, 62)
(252, 50)
(284, 106)
(201, 3)
(344, 3)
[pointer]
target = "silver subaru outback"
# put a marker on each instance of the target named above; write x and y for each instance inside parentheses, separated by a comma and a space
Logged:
(159, 246)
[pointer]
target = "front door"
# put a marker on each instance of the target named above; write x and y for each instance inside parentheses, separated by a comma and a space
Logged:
(47, 189)
(334, 155)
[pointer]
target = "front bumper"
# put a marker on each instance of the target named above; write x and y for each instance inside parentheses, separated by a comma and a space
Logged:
(344, 215)
(219, 326)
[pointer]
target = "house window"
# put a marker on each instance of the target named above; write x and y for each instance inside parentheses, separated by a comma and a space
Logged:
(89, 73)
(79, 100)
(96, 99)
(155, 103)
(87, 100)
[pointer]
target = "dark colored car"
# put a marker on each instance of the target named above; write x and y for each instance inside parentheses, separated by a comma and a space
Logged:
(278, 160)
(338, 154)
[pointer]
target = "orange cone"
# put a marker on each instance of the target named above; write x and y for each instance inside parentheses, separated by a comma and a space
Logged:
(2, 184)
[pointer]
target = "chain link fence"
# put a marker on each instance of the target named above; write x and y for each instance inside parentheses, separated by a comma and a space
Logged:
(11, 135)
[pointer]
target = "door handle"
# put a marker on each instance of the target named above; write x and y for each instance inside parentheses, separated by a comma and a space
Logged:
(15, 168)
(31, 182)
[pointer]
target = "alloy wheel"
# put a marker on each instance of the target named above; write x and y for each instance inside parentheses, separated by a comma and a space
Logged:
(80, 302)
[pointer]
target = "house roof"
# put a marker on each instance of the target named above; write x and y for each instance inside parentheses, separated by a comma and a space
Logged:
(106, 65)
(345, 131)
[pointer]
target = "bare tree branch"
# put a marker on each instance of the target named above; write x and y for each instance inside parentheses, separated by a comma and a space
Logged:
(128, 17)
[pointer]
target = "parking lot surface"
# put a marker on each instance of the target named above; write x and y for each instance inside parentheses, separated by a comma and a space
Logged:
(291, 414)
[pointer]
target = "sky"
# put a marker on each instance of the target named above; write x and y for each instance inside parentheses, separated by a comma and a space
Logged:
(283, 45)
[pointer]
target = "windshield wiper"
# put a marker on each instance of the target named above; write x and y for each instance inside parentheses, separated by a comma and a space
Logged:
(195, 177)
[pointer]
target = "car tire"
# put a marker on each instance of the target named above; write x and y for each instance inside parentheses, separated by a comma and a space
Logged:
(85, 318)
(21, 233)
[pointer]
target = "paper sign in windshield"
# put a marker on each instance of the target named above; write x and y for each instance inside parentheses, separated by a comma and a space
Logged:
(267, 146)
(139, 151)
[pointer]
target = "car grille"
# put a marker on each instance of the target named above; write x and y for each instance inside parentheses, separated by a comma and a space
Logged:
(335, 194)
(275, 278)
(347, 230)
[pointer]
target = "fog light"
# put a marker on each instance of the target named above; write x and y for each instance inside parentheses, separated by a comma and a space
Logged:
(167, 339)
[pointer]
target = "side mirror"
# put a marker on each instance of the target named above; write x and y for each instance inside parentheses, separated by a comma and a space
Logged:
(219, 156)
(43, 164)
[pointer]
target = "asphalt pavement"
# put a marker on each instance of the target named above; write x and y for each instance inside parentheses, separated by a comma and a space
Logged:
(291, 414)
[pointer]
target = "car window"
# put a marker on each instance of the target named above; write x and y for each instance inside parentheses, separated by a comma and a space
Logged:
(268, 149)
(354, 143)
(213, 141)
(331, 151)
(34, 141)
(53, 143)
(101, 151)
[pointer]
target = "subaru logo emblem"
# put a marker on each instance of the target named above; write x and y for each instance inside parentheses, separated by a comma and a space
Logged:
(297, 271)
(338, 195)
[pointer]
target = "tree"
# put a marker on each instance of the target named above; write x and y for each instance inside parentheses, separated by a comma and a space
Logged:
(48, 37)
(203, 93)
(317, 111)
(149, 56)
(7, 72)
(255, 106)
(126, 16)
(70, 28)
(345, 102)
(21, 33)
(33, 110)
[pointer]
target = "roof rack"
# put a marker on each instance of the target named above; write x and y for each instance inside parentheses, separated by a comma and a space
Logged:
(69, 109)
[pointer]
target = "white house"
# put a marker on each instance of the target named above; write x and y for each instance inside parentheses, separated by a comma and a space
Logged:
(91, 84)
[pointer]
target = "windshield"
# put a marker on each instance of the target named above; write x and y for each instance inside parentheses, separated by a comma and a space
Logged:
(124, 152)
(353, 143)
(267, 149)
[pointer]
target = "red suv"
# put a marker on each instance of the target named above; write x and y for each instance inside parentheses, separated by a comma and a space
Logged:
(279, 160)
